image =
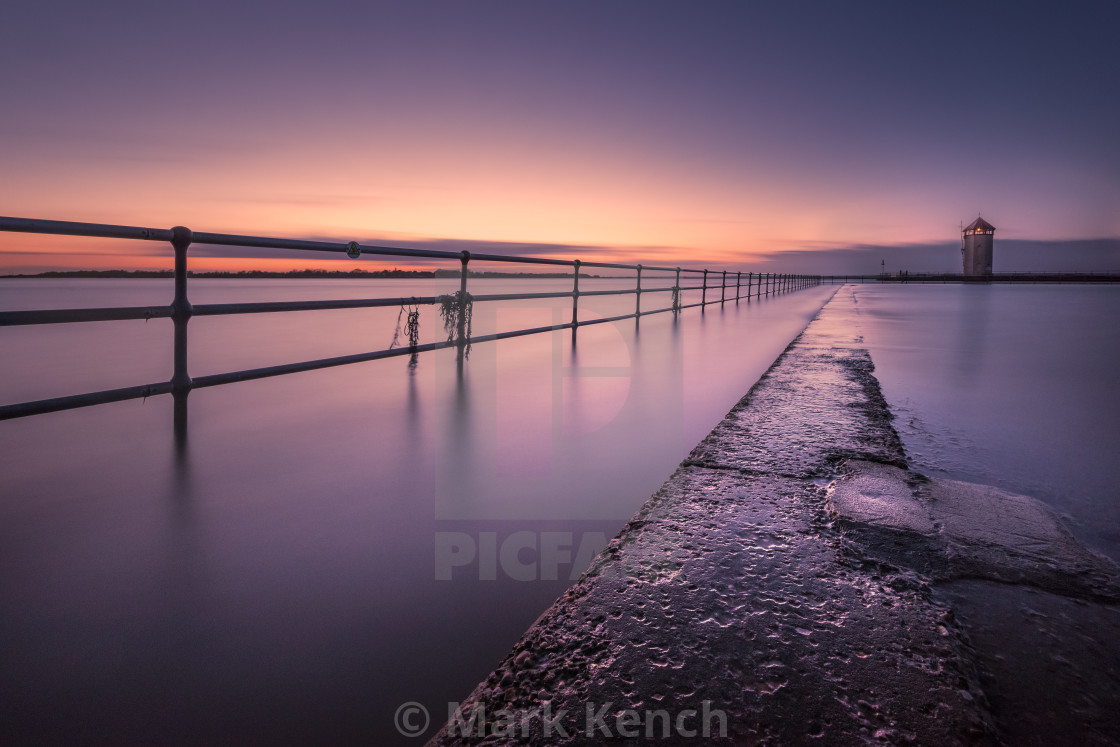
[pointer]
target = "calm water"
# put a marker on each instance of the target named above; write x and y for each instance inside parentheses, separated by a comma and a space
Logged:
(330, 544)
(1013, 386)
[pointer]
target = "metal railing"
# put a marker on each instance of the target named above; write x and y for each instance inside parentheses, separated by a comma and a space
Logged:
(181, 310)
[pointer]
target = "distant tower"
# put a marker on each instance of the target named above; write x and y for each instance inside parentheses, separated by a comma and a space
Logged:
(976, 246)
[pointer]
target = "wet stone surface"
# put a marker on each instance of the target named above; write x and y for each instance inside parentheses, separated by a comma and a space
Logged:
(1049, 663)
(731, 609)
(952, 530)
(1039, 610)
(818, 406)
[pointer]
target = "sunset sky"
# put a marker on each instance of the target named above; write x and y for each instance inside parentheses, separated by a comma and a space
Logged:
(696, 133)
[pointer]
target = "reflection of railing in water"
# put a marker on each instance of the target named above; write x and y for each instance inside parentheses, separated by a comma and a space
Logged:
(180, 311)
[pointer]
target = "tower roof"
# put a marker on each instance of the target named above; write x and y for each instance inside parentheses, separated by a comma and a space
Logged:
(979, 225)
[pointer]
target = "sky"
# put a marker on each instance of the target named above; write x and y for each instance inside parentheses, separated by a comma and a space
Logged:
(725, 134)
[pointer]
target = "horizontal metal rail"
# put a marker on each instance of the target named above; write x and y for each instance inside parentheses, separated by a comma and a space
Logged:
(73, 401)
(96, 230)
(180, 311)
(150, 390)
(69, 316)
(68, 228)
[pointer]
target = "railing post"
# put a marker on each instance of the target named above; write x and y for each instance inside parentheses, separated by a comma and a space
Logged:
(180, 311)
(638, 296)
(704, 293)
(180, 316)
(677, 295)
(723, 289)
(738, 281)
(575, 301)
(464, 259)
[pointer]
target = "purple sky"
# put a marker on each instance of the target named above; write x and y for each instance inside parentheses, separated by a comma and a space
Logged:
(672, 132)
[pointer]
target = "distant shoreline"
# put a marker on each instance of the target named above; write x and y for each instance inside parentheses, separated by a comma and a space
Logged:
(296, 274)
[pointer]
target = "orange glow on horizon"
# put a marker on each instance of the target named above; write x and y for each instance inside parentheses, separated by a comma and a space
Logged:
(32, 253)
(604, 201)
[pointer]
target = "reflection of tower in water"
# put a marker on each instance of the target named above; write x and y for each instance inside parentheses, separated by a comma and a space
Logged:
(976, 247)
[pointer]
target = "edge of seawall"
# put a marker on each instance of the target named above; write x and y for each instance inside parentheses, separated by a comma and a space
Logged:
(746, 595)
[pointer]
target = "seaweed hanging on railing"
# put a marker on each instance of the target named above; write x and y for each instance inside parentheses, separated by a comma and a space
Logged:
(456, 310)
(411, 315)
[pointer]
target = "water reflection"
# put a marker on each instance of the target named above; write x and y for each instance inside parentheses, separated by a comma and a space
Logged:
(972, 330)
(181, 472)
(1007, 385)
(272, 564)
